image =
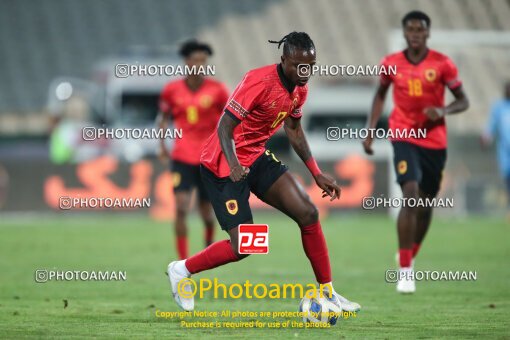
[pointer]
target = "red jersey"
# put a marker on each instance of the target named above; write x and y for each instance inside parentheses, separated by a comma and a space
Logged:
(261, 102)
(417, 87)
(195, 112)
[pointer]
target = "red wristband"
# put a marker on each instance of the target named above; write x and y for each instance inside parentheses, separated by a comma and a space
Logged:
(311, 164)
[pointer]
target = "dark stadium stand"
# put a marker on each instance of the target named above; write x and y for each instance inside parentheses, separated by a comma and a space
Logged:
(45, 40)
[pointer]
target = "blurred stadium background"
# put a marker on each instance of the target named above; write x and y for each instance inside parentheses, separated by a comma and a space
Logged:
(57, 71)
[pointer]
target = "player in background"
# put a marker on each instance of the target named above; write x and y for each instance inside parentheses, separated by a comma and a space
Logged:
(499, 127)
(418, 96)
(235, 161)
(194, 104)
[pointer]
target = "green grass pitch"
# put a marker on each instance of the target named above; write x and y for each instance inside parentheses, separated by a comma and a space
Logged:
(362, 248)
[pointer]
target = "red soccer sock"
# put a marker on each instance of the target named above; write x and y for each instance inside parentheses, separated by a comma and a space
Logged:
(416, 249)
(217, 254)
(405, 256)
(316, 250)
(182, 247)
(209, 236)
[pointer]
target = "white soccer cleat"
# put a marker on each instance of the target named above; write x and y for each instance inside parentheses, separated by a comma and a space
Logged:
(347, 305)
(174, 276)
(405, 283)
(342, 302)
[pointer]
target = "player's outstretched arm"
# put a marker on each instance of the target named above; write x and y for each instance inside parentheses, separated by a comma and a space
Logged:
(226, 128)
(300, 145)
(375, 114)
(460, 104)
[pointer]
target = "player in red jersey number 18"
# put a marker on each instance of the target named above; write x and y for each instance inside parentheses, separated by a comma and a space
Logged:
(418, 97)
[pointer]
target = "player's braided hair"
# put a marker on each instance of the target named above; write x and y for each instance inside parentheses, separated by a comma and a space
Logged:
(299, 40)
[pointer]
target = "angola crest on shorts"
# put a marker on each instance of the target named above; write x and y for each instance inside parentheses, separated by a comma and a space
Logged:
(402, 167)
(232, 207)
(176, 179)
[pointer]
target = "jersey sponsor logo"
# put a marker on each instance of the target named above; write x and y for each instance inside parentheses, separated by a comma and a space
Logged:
(253, 239)
(402, 167)
(232, 207)
(176, 179)
(430, 74)
(205, 101)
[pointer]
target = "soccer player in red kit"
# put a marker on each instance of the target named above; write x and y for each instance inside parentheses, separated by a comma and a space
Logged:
(195, 104)
(418, 96)
(235, 162)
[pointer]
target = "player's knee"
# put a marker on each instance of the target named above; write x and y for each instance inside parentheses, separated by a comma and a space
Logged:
(181, 230)
(208, 219)
(309, 214)
(181, 211)
(209, 223)
(424, 212)
(410, 189)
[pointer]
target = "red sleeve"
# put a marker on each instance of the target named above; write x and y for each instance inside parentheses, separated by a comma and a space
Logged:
(450, 75)
(385, 79)
(247, 95)
(165, 101)
(297, 112)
